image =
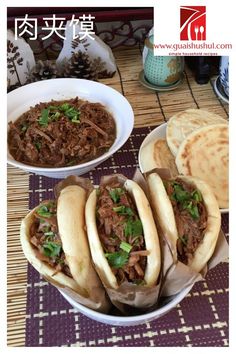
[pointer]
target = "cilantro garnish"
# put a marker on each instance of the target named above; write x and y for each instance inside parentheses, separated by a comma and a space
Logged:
(44, 118)
(123, 210)
(187, 200)
(117, 259)
(179, 193)
(38, 145)
(49, 233)
(52, 113)
(51, 249)
(192, 209)
(43, 211)
(196, 195)
(24, 126)
(184, 239)
(115, 194)
(125, 247)
(70, 112)
(133, 228)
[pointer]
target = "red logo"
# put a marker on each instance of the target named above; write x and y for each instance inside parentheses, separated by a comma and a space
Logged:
(193, 23)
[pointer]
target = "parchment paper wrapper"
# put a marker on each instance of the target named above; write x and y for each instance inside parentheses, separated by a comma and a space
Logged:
(176, 275)
(99, 300)
(73, 181)
(131, 298)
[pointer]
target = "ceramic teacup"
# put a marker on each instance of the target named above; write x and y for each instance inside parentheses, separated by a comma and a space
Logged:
(161, 70)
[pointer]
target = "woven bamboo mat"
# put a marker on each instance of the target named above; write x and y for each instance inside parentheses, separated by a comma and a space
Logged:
(151, 109)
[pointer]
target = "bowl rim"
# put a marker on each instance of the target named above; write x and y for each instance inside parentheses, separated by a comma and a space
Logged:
(107, 154)
(134, 319)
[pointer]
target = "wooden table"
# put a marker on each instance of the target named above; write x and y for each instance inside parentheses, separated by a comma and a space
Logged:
(150, 109)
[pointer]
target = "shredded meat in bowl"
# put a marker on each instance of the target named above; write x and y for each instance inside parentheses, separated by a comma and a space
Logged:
(61, 133)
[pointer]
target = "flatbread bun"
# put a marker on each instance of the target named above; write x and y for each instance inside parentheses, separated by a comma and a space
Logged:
(59, 279)
(184, 123)
(165, 214)
(205, 154)
(157, 154)
(150, 235)
(71, 225)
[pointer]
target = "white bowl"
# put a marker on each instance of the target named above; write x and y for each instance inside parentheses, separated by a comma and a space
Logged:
(21, 99)
(167, 304)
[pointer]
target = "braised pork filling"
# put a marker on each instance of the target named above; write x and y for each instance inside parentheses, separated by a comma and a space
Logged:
(190, 215)
(44, 236)
(61, 133)
(121, 233)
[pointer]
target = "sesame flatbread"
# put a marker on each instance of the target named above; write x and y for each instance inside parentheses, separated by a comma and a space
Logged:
(184, 123)
(205, 154)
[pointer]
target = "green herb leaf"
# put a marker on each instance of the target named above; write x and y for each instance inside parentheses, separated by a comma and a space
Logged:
(49, 233)
(38, 145)
(70, 112)
(196, 195)
(125, 246)
(180, 194)
(184, 239)
(192, 209)
(117, 259)
(42, 221)
(51, 249)
(115, 194)
(53, 108)
(55, 116)
(45, 228)
(64, 107)
(75, 119)
(44, 211)
(139, 282)
(123, 210)
(43, 119)
(71, 163)
(133, 228)
(24, 127)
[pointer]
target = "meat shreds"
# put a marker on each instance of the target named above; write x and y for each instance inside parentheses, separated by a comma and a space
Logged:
(61, 133)
(119, 225)
(45, 238)
(190, 216)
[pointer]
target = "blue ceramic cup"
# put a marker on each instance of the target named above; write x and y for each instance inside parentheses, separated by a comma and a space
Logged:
(161, 70)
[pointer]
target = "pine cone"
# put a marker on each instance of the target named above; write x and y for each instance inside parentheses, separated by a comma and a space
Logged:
(98, 67)
(80, 66)
(43, 70)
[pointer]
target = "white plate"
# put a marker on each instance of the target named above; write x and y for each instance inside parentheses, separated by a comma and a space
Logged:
(21, 99)
(158, 133)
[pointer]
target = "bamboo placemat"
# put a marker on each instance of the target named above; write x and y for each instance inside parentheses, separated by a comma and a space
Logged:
(151, 109)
